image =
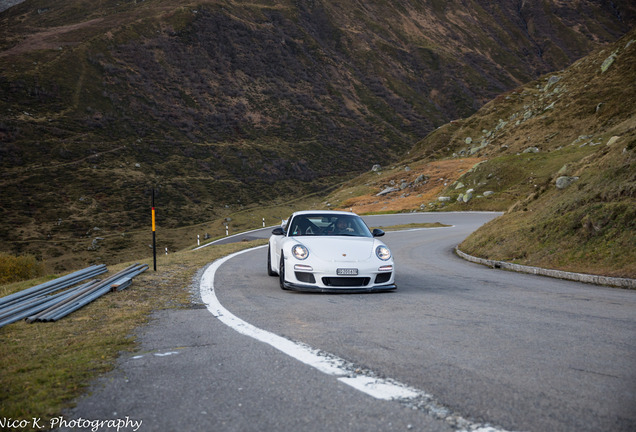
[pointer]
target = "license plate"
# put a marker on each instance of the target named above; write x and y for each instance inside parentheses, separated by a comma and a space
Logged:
(347, 271)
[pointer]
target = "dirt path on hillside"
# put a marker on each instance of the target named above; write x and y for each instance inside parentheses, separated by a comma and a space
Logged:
(48, 39)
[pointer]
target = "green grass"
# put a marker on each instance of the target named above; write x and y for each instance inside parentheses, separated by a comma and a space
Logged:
(589, 227)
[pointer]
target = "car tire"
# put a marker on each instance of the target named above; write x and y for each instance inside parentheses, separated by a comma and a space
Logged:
(270, 272)
(281, 272)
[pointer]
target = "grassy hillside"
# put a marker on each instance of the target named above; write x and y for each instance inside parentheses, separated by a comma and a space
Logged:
(223, 106)
(557, 155)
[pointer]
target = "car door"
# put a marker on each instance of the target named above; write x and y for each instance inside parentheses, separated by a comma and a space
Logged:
(276, 245)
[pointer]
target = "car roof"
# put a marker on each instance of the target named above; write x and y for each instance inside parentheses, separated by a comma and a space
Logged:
(324, 212)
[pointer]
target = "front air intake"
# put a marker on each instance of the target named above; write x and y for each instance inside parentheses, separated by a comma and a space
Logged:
(346, 281)
(383, 278)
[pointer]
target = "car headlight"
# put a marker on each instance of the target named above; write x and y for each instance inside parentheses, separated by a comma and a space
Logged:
(300, 252)
(383, 252)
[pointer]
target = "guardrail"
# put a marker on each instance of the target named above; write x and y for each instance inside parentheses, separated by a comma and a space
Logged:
(56, 299)
(559, 274)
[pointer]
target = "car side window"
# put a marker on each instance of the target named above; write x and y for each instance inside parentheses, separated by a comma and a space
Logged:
(298, 226)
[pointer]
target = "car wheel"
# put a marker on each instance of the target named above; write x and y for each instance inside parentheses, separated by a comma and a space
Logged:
(270, 272)
(281, 272)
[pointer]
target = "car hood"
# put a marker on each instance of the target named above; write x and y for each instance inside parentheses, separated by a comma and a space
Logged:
(340, 249)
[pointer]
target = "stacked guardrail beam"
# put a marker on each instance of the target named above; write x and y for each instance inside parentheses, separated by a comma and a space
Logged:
(48, 301)
(88, 294)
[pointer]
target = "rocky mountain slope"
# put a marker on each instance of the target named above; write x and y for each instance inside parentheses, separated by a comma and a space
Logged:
(222, 105)
(558, 155)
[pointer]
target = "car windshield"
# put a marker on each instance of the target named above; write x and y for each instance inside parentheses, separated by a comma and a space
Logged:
(328, 225)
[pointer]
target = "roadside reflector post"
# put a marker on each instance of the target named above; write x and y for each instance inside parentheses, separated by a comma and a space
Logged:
(154, 238)
(263, 222)
(198, 240)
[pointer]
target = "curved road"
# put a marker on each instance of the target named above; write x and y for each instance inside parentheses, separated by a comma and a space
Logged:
(521, 352)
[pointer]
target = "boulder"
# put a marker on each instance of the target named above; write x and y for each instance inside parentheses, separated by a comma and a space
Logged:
(388, 190)
(565, 181)
(95, 244)
(421, 178)
(551, 81)
(608, 62)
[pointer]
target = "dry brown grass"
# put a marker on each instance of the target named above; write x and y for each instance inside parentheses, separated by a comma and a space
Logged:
(440, 174)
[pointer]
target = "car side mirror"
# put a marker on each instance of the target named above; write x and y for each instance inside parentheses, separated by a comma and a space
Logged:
(377, 232)
(278, 231)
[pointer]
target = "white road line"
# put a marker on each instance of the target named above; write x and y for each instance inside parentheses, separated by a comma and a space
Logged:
(379, 388)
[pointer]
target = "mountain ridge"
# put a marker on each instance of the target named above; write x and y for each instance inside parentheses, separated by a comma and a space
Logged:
(220, 106)
(556, 155)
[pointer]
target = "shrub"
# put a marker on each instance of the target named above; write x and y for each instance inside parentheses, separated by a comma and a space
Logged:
(14, 269)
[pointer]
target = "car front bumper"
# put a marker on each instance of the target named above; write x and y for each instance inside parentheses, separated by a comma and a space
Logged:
(369, 278)
(342, 290)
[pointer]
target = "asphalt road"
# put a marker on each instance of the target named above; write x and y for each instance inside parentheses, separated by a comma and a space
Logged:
(519, 352)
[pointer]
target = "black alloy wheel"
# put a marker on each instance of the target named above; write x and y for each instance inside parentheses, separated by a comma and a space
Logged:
(281, 272)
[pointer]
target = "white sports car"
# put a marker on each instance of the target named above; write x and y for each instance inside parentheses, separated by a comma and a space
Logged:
(329, 251)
